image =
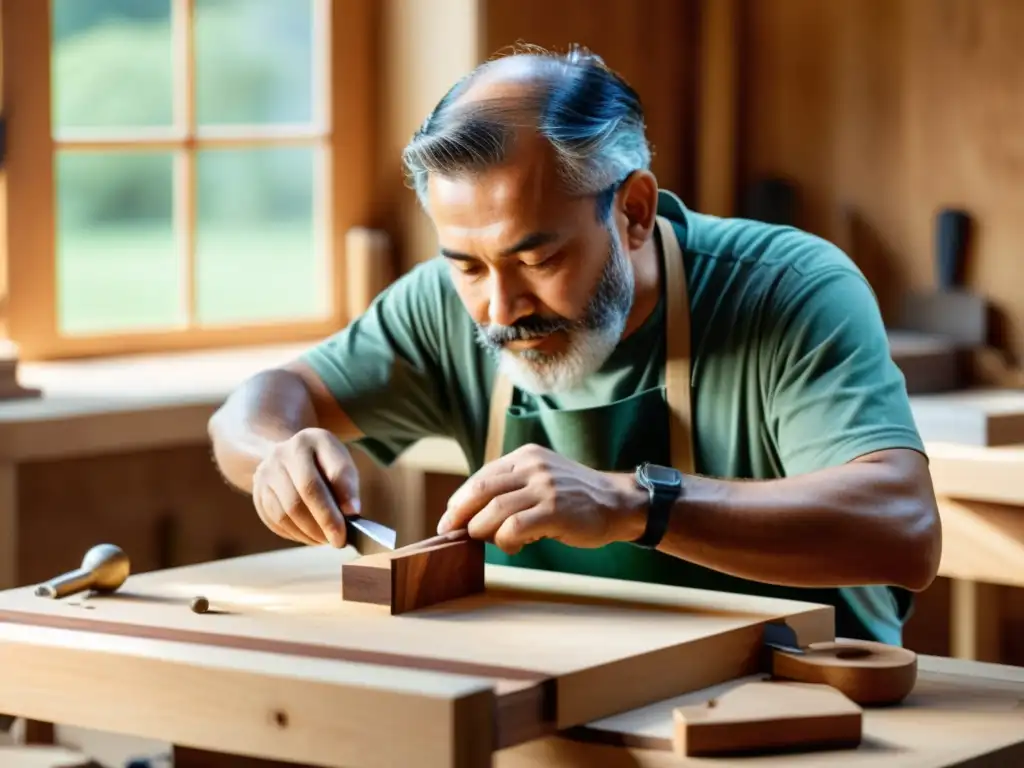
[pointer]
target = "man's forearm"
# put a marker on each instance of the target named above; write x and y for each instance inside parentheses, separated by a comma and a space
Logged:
(866, 522)
(266, 409)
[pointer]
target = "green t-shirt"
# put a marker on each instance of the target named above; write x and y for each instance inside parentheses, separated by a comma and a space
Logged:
(791, 369)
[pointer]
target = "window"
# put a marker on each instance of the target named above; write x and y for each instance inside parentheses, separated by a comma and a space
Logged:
(180, 173)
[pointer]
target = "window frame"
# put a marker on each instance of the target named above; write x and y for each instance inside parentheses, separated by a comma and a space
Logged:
(28, 232)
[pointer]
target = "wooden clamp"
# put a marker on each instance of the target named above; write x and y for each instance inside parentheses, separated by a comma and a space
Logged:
(813, 699)
(428, 572)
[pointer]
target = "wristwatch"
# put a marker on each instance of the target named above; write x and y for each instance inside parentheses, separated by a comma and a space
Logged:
(663, 485)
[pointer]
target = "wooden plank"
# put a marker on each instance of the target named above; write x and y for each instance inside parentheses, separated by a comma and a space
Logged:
(766, 716)
(982, 542)
(246, 702)
(960, 714)
(606, 645)
(977, 473)
(984, 417)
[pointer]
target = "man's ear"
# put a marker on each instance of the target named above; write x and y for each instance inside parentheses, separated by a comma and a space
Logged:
(638, 207)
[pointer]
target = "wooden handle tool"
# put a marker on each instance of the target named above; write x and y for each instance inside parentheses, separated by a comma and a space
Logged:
(871, 674)
(104, 568)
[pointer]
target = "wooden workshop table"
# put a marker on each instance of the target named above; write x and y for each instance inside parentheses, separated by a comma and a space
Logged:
(981, 499)
(281, 669)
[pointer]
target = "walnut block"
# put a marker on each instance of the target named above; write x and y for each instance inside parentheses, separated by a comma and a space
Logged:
(429, 572)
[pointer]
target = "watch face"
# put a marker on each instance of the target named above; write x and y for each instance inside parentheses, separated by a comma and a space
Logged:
(662, 475)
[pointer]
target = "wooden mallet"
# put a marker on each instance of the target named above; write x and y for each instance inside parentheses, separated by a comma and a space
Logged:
(104, 568)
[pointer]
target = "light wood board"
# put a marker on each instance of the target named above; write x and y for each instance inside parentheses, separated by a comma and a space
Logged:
(960, 714)
(978, 473)
(554, 650)
(982, 417)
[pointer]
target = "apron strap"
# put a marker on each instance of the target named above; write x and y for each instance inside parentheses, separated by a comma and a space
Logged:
(677, 364)
(677, 350)
(501, 399)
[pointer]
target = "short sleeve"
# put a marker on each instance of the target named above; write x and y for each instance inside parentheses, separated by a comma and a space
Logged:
(384, 368)
(833, 390)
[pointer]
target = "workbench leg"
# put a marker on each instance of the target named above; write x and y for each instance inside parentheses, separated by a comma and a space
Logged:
(974, 614)
(9, 554)
(33, 731)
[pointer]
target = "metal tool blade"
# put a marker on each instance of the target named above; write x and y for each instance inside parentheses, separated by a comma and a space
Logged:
(369, 537)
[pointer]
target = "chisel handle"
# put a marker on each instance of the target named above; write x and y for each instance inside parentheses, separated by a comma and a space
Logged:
(69, 583)
(952, 229)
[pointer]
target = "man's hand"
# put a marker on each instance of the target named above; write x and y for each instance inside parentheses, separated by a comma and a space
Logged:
(533, 493)
(303, 487)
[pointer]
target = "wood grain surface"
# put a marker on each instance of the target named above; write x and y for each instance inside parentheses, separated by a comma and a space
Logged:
(960, 714)
(560, 649)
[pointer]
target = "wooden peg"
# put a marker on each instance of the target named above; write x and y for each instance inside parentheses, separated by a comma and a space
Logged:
(429, 572)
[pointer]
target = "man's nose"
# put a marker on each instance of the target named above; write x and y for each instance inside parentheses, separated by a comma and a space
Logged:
(507, 301)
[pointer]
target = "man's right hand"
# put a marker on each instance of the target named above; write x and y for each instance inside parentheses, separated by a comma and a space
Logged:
(305, 485)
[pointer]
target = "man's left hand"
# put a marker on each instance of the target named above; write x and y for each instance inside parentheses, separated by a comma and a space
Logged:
(533, 493)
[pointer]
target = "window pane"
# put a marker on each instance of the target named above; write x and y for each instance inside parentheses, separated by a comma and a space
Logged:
(117, 259)
(112, 64)
(257, 252)
(254, 61)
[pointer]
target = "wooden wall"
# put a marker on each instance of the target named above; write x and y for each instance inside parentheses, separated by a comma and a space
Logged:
(881, 111)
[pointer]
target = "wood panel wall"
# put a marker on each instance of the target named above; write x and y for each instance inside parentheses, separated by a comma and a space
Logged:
(882, 111)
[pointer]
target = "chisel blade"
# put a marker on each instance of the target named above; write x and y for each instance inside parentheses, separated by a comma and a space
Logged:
(369, 537)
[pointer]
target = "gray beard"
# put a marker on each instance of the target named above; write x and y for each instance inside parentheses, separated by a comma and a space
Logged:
(592, 338)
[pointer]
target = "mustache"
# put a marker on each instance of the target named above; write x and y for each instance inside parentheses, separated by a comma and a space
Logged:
(523, 329)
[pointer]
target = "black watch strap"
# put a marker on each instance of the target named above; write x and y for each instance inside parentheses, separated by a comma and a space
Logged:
(663, 485)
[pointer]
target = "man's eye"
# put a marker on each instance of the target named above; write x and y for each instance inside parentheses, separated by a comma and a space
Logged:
(547, 262)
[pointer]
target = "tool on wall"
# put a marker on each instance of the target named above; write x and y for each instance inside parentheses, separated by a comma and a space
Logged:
(951, 310)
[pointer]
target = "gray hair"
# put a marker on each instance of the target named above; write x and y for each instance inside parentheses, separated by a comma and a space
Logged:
(592, 119)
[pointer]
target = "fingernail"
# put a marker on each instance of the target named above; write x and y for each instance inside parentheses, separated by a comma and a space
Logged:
(442, 524)
(352, 507)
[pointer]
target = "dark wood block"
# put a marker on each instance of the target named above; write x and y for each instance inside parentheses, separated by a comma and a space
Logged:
(433, 571)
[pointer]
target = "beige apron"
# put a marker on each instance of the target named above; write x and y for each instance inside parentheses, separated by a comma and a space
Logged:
(620, 435)
(677, 365)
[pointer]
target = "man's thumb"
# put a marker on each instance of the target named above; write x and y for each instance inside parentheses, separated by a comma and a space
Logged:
(351, 506)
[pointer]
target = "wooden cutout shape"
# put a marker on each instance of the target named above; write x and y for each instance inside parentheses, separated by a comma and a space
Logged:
(767, 717)
(429, 572)
(868, 673)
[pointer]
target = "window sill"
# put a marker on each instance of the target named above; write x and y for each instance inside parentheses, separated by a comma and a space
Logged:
(135, 402)
(148, 402)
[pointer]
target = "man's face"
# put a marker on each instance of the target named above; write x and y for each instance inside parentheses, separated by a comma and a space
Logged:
(547, 283)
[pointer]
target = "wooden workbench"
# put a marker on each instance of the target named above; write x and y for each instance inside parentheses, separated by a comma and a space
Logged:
(281, 669)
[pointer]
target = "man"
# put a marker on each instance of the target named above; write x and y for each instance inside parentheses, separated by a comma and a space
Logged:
(642, 391)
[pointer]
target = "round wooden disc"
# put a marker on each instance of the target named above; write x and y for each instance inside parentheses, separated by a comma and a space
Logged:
(866, 672)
